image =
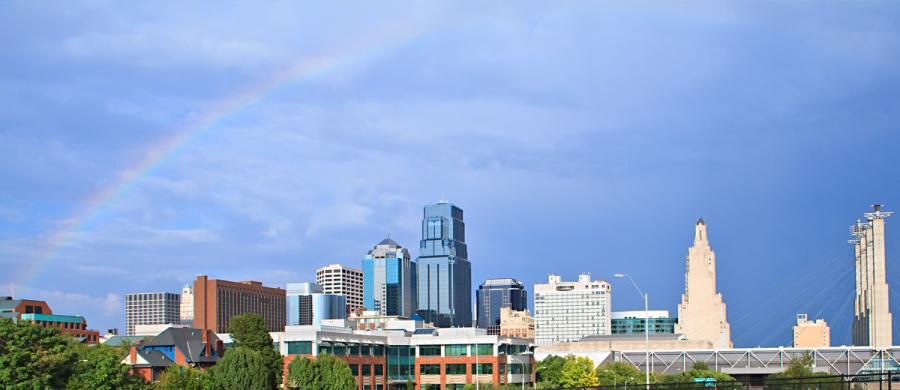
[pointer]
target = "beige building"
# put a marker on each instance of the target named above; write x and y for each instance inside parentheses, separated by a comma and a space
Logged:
(187, 304)
(701, 314)
(568, 311)
(341, 280)
(515, 323)
(872, 318)
(809, 334)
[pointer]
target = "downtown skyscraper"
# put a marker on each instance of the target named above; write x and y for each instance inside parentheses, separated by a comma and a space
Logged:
(389, 280)
(495, 294)
(444, 274)
(872, 319)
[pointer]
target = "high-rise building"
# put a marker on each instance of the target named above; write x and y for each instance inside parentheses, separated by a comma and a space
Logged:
(701, 314)
(568, 311)
(809, 334)
(340, 280)
(307, 304)
(187, 304)
(872, 319)
(153, 308)
(515, 323)
(389, 282)
(633, 322)
(445, 280)
(495, 294)
(216, 301)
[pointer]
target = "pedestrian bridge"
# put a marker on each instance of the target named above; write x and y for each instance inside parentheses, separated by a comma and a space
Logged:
(762, 361)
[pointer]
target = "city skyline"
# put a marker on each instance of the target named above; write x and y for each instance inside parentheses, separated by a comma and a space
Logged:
(140, 150)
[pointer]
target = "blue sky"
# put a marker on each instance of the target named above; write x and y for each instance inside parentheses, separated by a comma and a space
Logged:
(577, 137)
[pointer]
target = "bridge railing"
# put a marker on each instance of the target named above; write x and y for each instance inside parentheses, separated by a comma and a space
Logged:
(865, 381)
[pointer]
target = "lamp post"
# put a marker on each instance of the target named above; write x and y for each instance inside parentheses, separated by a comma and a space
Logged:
(534, 385)
(646, 326)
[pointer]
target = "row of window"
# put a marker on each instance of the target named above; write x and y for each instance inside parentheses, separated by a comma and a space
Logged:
(476, 369)
(353, 349)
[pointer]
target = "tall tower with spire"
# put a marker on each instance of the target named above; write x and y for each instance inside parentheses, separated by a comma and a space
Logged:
(872, 320)
(701, 314)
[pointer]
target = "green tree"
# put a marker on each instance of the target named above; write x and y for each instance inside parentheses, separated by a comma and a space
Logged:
(800, 371)
(703, 366)
(32, 357)
(182, 378)
(690, 375)
(100, 367)
(616, 373)
(335, 373)
(249, 331)
(578, 372)
(242, 369)
(303, 373)
(549, 370)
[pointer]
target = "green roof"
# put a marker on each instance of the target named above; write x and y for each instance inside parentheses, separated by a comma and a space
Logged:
(53, 318)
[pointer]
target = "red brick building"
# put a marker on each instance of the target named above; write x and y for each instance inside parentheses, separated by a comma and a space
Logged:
(39, 313)
(217, 301)
(182, 347)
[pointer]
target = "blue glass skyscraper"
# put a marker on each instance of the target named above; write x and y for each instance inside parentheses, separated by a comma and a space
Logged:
(389, 283)
(306, 304)
(494, 294)
(445, 279)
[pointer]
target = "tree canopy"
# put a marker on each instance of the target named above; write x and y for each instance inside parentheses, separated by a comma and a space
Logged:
(242, 369)
(183, 378)
(100, 367)
(578, 372)
(249, 331)
(326, 373)
(616, 373)
(32, 357)
(549, 370)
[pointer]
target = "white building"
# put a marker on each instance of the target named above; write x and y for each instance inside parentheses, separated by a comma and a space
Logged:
(150, 309)
(187, 304)
(340, 280)
(568, 311)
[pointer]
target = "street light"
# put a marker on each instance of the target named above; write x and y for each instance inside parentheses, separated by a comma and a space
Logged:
(534, 385)
(646, 325)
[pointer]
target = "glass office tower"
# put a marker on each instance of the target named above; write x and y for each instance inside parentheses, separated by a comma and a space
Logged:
(494, 294)
(389, 284)
(443, 271)
(306, 304)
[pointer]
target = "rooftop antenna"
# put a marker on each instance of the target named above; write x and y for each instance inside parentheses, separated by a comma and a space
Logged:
(443, 198)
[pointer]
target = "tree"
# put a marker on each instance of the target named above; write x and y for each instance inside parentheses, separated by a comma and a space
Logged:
(33, 356)
(702, 366)
(549, 370)
(249, 331)
(800, 371)
(242, 369)
(100, 367)
(690, 375)
(616, 373)
(578, 372)
(303, 373)
(182, 378)
(326, 373)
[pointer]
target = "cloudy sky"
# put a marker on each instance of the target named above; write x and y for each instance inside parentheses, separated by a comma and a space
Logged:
(144, 143)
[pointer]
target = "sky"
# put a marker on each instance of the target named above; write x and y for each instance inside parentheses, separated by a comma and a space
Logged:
(144, 143)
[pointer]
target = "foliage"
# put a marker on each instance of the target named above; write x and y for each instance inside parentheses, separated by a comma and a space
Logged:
(183, 378)
(800, 370)
(100, 367)
(616, 373)
(688, 376)
(33, 357)
(241, 369)
(249, 331)
(549, 370)
(702, 366)
(303, 373)
(326, 372)
(578, 372)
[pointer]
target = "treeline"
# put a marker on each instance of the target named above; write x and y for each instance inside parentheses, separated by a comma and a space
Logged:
(33, 357)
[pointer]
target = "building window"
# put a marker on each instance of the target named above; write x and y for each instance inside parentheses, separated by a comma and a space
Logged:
(483, 349)
(366, 370)
(379, 369)
(430, 350)
(456, 350)
(482, 369)
(299, 348)
(354, 368)
(456, 369)
(430, 369)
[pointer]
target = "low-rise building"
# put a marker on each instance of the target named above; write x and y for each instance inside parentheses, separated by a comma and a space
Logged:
(183, 347)
(433, 358)
(809, 334)
(632, 322)
(516, 323)
(39, 313)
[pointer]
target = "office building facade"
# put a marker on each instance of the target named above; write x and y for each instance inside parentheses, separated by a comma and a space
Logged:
(340, 280)
(569, 311)
(187, 304)
(154, 308)
(811, 334)
(442, 268)
(217, 301)
(39, 313)
(307, 304)
(389, 281)
(516, 323)
(633, 322)
(701, 314)
(496, 294)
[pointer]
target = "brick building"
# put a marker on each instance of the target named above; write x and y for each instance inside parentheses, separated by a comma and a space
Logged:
(217, 301)
(433, 358)
(39, 313)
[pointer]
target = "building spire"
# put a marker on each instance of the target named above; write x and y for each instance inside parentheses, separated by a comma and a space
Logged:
(700, 232)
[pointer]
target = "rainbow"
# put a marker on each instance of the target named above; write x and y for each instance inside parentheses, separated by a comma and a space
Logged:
(156, 155)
